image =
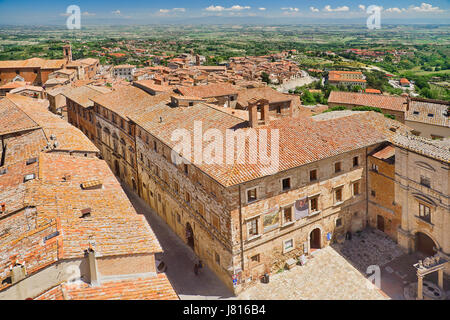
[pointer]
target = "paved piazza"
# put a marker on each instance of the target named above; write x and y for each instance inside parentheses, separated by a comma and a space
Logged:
(327, 276)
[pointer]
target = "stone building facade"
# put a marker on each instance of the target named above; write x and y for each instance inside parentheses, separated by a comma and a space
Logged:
(383, 212)
(423, 175)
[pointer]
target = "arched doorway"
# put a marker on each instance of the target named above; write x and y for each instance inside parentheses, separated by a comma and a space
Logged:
(189, 235)
(424, 244)
(314, 239)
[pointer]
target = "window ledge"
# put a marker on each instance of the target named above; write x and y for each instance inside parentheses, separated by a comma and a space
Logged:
(288, 250)
(338, 203)
(254, 237)
(287, 224)
(314, 213)
(423, 220)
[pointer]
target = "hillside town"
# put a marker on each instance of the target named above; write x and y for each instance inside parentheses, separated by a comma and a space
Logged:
(94, 184)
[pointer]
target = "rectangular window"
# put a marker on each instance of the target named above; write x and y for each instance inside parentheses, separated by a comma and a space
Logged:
(339, 222)
(288, 245)
(286, 184)
(374, 167)
(373, 193)
(186, 169)
(255, 258)
(155, 146)
(287, 215)
(188, 197)
(314, 204)
(313, 175)
(176, 187)
(215, 221)
(338, 195)
(217, 258)
(337, 167)
(425, 181)
(252, 227)
(355, 161)
(251, 195)
(200, 209)
(355, 188)
(424, 212)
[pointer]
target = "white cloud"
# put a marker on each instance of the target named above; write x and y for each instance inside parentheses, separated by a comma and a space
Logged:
(88, 14)
(328, 8)
(262, 9)
(290, 9)
(233, 8)
(426, 7)
(314, 9)
(117, 12)
(362, 7)
(396, 10)
(164, 11)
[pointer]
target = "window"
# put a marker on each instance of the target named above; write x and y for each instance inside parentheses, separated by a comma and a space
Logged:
(255, 258)
(338, 195)
(186, 169)
(278, 109)
(252, 227)
(374, 167)
(339, 222)
(155, 146)
(157, 171)
(373, 193)
(121, 123)
(355, 161)
(337, 167)
(188, 197)
(314, 204)
(424, 212)
(178, 218)
(215, 221)
(217, 258)
(287, 215)
(176, 187)
(313, 175)
(251, 195)
(425, 181)
(200, 209)
(286, 184)
(355, 188)
(288, 245)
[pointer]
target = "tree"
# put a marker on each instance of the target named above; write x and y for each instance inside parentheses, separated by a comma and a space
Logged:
(265, 77)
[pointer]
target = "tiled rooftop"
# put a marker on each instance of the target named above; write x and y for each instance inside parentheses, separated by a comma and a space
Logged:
(53, 201)
(82, 95)
(429, 111)
(33, 63)
(433, 148)
(366, 99)
(302, 140)
(210, 90)
(150, 288)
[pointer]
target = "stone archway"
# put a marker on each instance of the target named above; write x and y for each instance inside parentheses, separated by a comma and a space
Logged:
(424, 244)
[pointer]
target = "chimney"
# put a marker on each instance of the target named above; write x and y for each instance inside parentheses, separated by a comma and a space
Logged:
(93, 270)
(3, 207)
(253, 114)
(265, 111)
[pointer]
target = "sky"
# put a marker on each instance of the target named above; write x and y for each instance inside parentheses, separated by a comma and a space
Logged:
(53, 12)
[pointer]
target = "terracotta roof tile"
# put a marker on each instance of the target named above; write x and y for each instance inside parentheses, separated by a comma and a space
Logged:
(365, 99)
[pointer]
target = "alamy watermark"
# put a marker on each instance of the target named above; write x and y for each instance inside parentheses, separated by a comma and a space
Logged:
(374, 20)
(74, 19)
(374, 277)
(242, 146)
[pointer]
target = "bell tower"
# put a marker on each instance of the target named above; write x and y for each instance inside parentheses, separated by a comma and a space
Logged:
(67, 52)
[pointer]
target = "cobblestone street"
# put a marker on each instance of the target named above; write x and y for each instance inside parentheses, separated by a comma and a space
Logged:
(327, 276)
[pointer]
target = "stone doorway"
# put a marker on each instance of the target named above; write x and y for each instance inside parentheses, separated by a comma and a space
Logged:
(380, 223)
(314, 239)
(424, 244)
(190, 236)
